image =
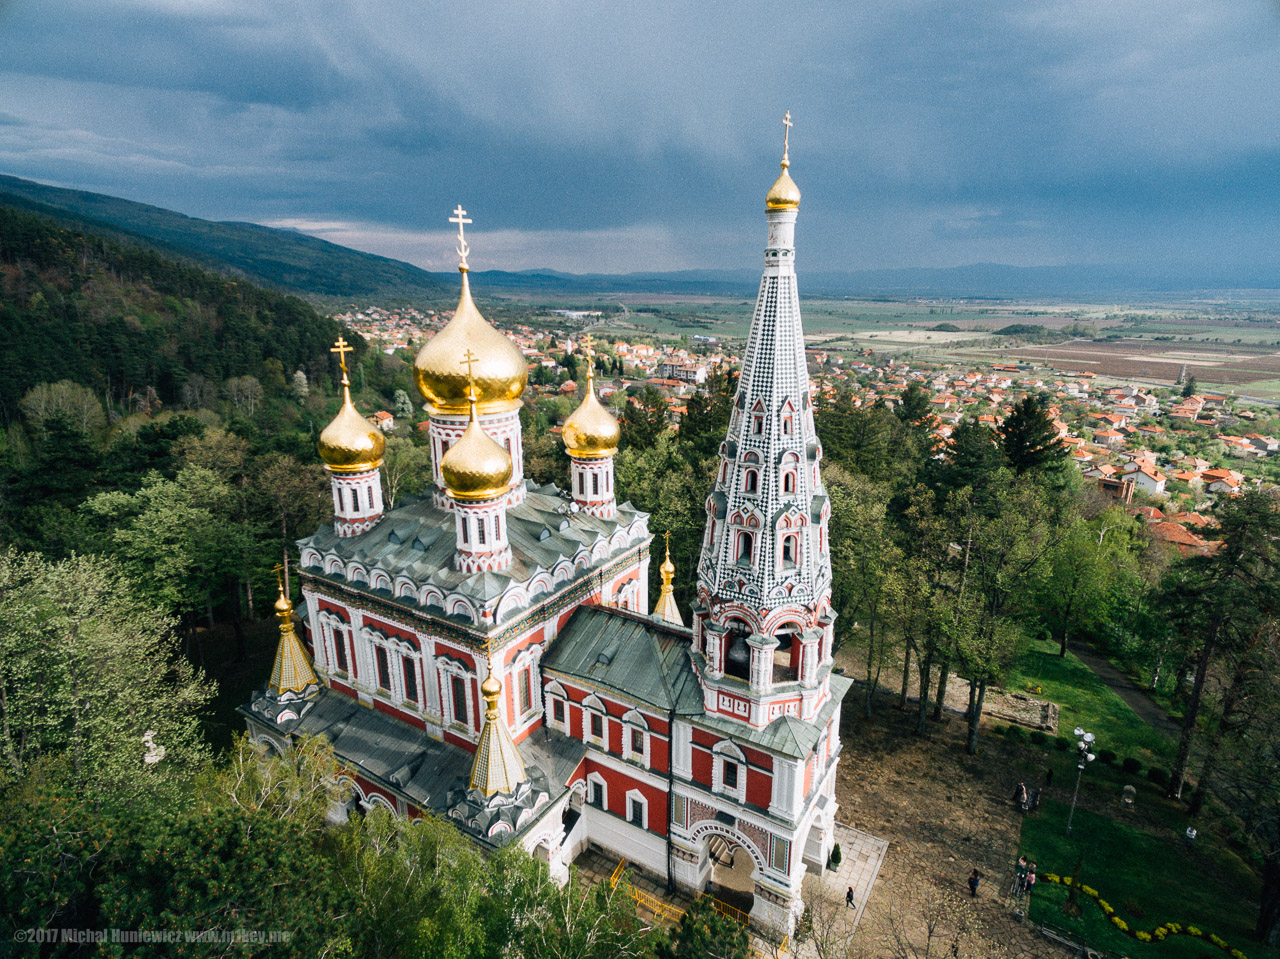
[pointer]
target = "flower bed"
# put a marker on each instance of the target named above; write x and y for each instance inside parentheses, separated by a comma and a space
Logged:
(1158, 934)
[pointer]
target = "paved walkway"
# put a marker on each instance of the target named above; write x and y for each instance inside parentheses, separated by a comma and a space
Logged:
(1146, 708)
(861, 856)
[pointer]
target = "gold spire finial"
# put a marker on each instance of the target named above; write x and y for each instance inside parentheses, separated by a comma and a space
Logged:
(498, 766)
(667, 608)
(342, 348)
(586, 343)
(786, 139)
(291, 675)
(460, 217)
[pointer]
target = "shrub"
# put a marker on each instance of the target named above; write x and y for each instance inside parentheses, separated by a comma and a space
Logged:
(1143, 936)
(1132, 766)
(1119, 923)
(1106, 907)
(999, 730)
(1089, 891)
(1038, 738)
(1062, 743)
(1193, 931)
(1107, 756)
(1158, 776)
(1016, 734)
(835, 855)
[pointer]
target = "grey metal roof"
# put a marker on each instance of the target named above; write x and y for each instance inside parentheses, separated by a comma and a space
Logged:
(786, 735)
(640, 658)
(417, 540)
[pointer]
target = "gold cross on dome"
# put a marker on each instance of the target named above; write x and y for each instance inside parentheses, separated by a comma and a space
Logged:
(586, 343)
(668, 534)
(786, 134)
(460, 217)
(278, 569)
(342, 348)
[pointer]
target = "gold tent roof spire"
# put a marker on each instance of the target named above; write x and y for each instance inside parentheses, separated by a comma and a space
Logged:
(667, 608)
(591, 431)
(291, 676)
(498, 766)
(784, 194)
(350, 443)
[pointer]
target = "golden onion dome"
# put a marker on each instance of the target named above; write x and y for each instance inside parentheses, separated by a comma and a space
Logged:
(350, 444)
(490, 688)
(500, 371)
(591, 432)
(476, 467)
(784, 194)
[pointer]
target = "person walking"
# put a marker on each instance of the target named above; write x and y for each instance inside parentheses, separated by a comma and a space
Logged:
(974, 877)
(848, 898)
(1031, 879)
(1020, 879)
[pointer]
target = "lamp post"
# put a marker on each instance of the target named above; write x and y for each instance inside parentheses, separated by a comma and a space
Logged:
(1084, 742)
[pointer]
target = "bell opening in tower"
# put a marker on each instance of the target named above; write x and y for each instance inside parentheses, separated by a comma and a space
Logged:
(786, 656)
(737, 660)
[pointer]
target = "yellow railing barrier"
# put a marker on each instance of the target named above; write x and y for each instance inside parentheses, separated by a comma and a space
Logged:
(673, 914)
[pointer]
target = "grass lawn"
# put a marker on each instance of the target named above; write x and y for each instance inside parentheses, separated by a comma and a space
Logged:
(1149, 877)
(1086, 701)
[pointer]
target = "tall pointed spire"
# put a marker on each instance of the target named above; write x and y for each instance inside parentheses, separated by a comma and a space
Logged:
(498, 766)
(291, 676)
(667, 608)
(763, 619)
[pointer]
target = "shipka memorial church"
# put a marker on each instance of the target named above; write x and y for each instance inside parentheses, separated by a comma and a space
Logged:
(484, 652)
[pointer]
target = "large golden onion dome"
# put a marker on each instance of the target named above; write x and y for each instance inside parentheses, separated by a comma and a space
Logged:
(350, 443)
(591, 432)
(500, 373)
(476, 468)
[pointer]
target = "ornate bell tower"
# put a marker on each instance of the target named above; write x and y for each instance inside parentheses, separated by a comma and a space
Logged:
(763, 623)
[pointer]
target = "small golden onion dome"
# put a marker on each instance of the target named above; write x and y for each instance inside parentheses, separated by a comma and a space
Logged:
(500, 372)
(350, 444)
(784, 194)
(476, 467)
(490, 688)
(591, 432)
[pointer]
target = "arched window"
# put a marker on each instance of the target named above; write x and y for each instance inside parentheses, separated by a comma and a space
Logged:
(757, 425)
(788, 551)
(595, 484)
(788, 482)
(751, 482)
(786, 426)
(355, 500)
(745, 544)
(480, 530)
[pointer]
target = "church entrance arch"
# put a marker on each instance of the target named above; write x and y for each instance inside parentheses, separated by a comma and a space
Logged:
(733, 866)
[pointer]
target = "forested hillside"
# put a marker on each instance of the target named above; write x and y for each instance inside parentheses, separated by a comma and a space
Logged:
(135, 326)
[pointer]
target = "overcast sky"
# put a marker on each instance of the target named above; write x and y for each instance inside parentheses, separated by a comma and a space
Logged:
(619, 136)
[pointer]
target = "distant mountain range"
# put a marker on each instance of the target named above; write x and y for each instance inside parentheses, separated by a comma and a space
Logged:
(284, 260)
(297, 263)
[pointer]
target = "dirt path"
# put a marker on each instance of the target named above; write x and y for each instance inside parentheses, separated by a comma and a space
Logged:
(1136, 698)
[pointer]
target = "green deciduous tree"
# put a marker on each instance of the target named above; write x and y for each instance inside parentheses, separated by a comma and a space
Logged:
(705, 934)
(87, 670)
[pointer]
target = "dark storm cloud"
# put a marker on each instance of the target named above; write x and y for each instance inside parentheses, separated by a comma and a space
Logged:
(926, 132)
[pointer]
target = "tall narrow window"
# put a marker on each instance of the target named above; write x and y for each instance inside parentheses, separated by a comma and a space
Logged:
(340, 647)
(557, 710)
(384, 671)
(786, 426)
(788, 551)
(410, 679)
(582, 484)
(789, 483)
(458, 689)
(751, 481)
(757, 425)
(744, 549)
(595, 484)
(637, 741)
(465, 523)
(597, 725)
(526, 694)
(355, 500)
(480, 530)
(497, 527)
(635, 811)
